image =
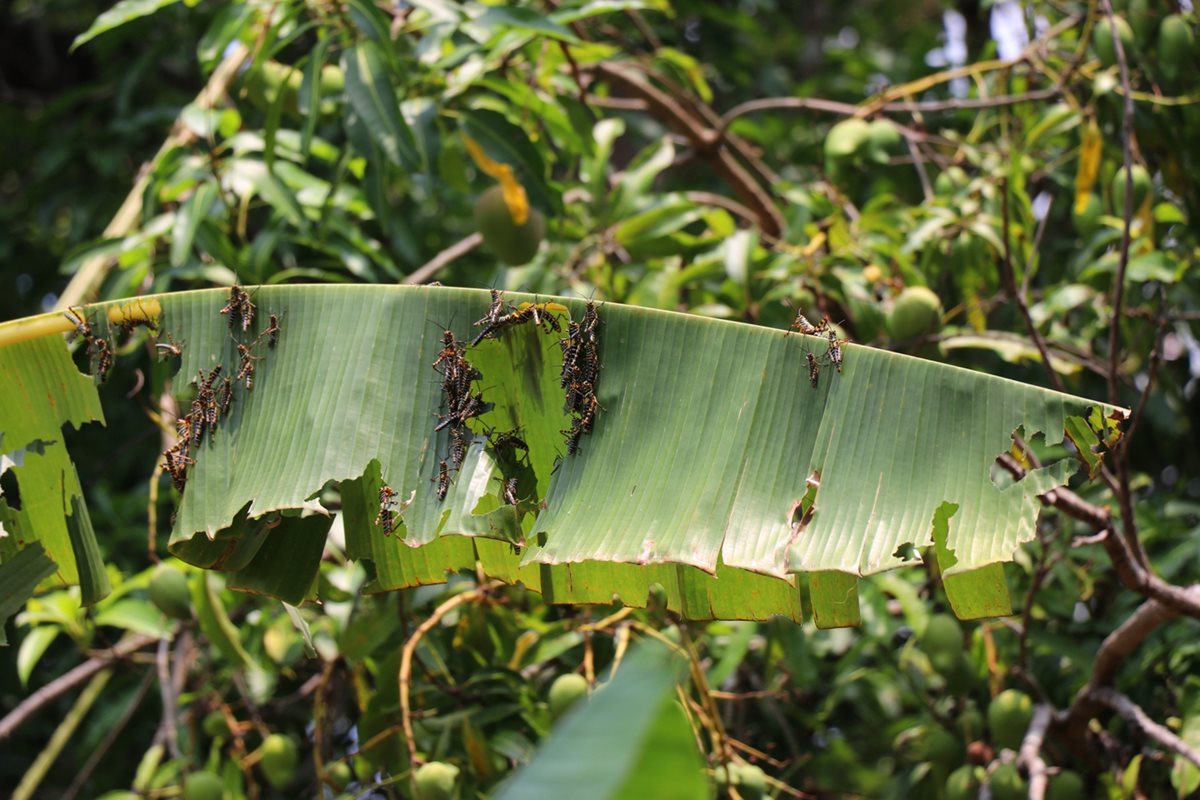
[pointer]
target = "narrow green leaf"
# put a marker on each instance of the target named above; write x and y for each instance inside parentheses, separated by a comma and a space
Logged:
(139, 616)
(123, 12)
(215, 623)
(373, 99)
(19, 576)
(639, 176)
(498, 18)
(598, 7)
(736, 646)
(310, 94)
(33, 647)
(188, 219)
(253, 177)
(629, 740)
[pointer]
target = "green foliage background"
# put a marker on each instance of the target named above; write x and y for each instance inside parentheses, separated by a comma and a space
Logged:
(327, 181)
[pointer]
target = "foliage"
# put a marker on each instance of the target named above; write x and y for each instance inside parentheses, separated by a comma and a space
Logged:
(340, 155)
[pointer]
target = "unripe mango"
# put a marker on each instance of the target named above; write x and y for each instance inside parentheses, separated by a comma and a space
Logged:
(512, 243)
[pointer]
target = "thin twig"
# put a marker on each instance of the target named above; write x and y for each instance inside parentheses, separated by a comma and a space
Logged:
(716, 730)
(326, 675)
(577, 75)
(706, 141)
(1045, 563)
(1010, 284)
(405, 675)
(168, 726)
(1030, 754)
(1151, 373)
(444, 258)
(1134, 714)
(850, 109)
(1114, 335)
(68, 681)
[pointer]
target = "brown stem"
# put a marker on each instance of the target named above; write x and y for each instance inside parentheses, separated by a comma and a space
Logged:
(1010, 285)
(443, 259)
(706, 141)
(68, 681)
(167, 726)
(405, 675)
(1134, 714)
(1151, 373)
(850, 109)
(1114, 335)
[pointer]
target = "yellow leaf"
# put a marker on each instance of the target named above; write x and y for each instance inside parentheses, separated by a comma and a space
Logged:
(1089, 165)
(514, 192)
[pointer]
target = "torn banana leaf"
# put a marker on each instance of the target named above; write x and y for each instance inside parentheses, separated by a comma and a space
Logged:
(43, 391)
(720, 461)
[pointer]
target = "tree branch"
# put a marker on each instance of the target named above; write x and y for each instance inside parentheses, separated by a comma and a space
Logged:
(1132, 573)
(452, 253)
(404, 677)
(68, 681)
(1134, 714)
(706, 141)
(1030, 755)
(1113, 651)
(1018, 296)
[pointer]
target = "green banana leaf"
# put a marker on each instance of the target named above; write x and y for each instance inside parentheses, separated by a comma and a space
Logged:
(716, 469)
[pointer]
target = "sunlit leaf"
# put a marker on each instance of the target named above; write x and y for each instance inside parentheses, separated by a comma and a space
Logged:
(123, 12)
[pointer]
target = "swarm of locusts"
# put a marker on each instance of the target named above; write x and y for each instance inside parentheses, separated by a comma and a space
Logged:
(581, 367)
(461, 404)
(580, 374)
(215, 388)
(833, 353)
(98, 349)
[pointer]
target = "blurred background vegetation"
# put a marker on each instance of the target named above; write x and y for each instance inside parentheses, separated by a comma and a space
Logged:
(937, 178)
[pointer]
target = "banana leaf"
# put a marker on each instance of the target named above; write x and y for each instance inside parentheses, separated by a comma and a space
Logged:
(724, 458)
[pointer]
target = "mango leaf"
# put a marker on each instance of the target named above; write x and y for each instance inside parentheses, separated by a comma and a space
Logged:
(630, 740)
(499, 18)
(598, 7)
(123, 12)
(374, 100)
(715, 468)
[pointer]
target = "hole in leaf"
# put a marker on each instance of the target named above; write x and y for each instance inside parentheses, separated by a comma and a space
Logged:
(802, 510)
(1025, 453)
(10, 489)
